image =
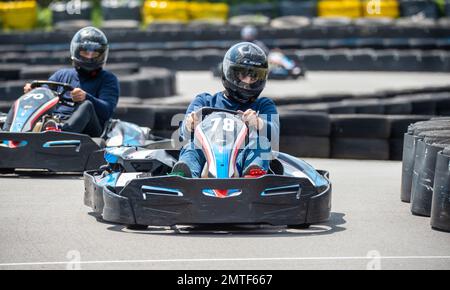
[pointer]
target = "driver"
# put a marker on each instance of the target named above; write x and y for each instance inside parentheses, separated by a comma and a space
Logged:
(244, 76)
(96, 90)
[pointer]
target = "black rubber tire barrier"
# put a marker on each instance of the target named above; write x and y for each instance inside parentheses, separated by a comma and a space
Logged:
(396, 106)
(38, 72)
(365, 106)
(396, 149)
(305, 124)
(11, 90)
(440, 209)
(61, 14)
(10, 71)
(359, 126)
(399, 124)
(360, 148)
(149, 83)
(415, 133)
(303, 8)
(429, 9)
(266, 9)
(423, 177)
(168, 118)
(129, 10)
(306, 146)
(138, 114)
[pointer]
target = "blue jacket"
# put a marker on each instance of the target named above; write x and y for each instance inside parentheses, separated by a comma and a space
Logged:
(103, 91)
(265, 108)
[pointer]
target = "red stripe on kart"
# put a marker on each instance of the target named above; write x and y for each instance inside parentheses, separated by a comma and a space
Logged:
(44, 109)
(240, 140)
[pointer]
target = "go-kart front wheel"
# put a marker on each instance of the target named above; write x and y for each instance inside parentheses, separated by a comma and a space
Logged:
(137, 227)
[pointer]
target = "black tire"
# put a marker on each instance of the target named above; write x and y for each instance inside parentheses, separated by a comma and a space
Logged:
(38, 72)
(300, 226)
(360, 126)
(440, 212)
(137, 227)
(399, 124)
(10, 71)
(358, 148)
(138, 114)
(11, 90)
(305, 146)
(299, 8)
(396, 149)
(408, 160)
(397, 107)
(7, 170)
(305, 124)
(423, 177)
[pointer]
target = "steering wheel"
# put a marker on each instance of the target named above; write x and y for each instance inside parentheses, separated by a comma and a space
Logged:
(205, 111)
(54, 87)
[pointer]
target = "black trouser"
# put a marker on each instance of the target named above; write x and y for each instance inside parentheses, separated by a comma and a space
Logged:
(84, 120)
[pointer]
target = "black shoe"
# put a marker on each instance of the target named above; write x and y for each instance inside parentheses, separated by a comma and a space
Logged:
(181, 169)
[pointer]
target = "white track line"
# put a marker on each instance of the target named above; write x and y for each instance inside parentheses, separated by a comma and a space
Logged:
(227, 260)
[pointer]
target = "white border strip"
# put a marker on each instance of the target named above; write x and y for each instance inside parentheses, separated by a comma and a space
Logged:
(226, 260)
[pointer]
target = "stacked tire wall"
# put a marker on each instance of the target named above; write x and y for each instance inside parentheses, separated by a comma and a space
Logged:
(426, 171)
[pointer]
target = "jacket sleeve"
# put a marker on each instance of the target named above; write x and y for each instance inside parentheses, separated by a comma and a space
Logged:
(196, 104)
(269, 114)
(108, 97)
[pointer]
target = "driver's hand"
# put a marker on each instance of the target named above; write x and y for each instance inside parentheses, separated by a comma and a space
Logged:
(27, 88)
(78, 95)
(191, 121)
(251, 119)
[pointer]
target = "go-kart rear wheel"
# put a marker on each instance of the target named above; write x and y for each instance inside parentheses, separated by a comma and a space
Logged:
(137, 227)
(300, 226)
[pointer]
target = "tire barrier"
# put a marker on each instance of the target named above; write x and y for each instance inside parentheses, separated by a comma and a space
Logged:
(424, 171)
(424, 8)
(360, 148)
(121, 10)
(149, 83)
(360, 126)
(10, 71)
(66, 11)
(416, 132)
(303, 8)
(440, 212)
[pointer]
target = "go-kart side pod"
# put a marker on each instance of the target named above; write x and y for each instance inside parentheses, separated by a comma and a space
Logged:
(52, 151)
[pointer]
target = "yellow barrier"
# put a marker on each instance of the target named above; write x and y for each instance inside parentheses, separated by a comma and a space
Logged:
(380, 8)
(165, 11)
(339, 8)
(18, 14)
(208, 11)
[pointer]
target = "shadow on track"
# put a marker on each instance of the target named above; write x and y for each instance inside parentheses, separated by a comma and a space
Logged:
(334, 225)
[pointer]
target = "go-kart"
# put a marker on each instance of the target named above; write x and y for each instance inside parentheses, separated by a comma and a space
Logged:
(136, 189)
(282, 67)
(31, 144)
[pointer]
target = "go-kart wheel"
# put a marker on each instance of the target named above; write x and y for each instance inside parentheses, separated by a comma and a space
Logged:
(137, 227)
(300, 226)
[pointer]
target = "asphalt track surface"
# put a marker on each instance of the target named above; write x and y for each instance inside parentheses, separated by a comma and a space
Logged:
(44, 225)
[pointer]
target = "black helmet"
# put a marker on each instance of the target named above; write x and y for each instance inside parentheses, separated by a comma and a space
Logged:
(89, 40)
(243, 60)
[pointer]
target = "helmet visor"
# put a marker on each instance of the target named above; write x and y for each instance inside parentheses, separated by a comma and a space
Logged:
(245, 77)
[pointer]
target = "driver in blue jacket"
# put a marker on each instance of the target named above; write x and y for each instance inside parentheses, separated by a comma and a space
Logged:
(244, 76)
(96, 90)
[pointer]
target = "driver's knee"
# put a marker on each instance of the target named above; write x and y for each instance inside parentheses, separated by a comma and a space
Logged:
(87, 105)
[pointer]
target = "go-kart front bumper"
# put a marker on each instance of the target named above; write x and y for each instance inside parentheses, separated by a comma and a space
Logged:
(181, 201)
(53, 151)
